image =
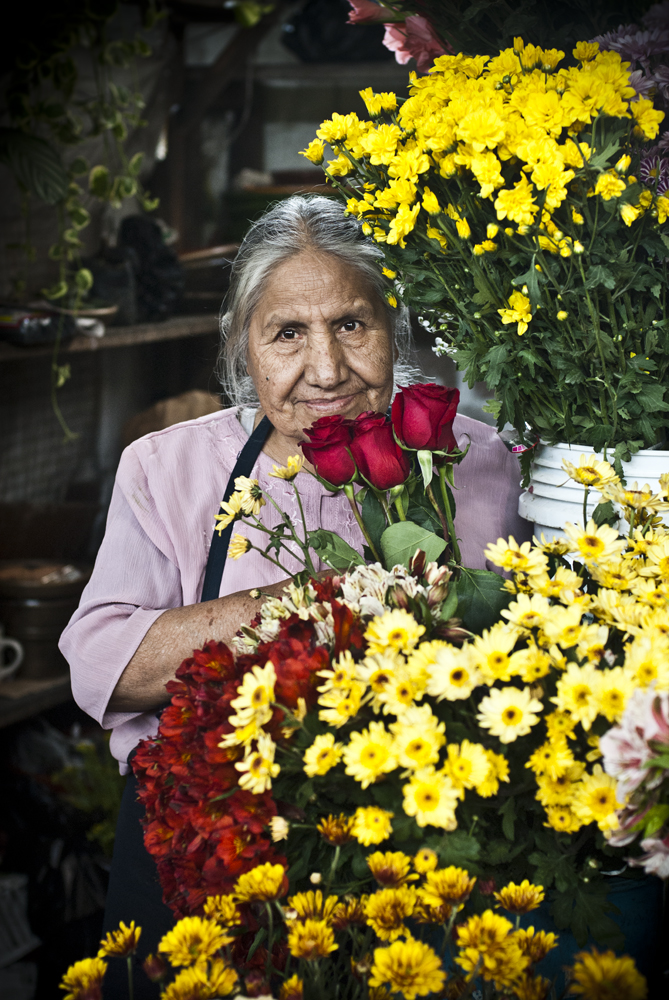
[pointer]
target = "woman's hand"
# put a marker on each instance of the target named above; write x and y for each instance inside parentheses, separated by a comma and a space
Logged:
(172, 638)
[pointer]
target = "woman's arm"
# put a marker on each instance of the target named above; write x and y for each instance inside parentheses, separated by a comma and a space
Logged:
(172, 638)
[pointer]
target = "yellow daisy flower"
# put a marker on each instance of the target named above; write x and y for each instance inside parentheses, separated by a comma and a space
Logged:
(409, 968)
(418, 737)
(602, 975)
(519, 899)
(251, 498)
(595, 800)
(590, 472)
(396, 630)
(238, 547)
(369, 754)
(452, 673)
(508, 713)
(193, 940)
(223, 910)
(312, 905)
(120, 943)
(431, 798)
(562, 819)
(515, 558)
(372, 825)
(491, 652)
(336, 830)
(83, 978)
(311, 940)
(594, 543)
(258, 767)
(290, 469)
(498, 771)
(390, 869)
(387, 909)
(233, 511)
(262, 884)
(576, 693)
(426, 860)
(467, 765)
(322, 755)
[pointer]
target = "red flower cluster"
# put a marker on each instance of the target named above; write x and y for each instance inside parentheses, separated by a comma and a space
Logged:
(203, 830)
(422, 418)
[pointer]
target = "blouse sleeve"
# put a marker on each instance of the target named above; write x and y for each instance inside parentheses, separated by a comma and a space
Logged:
(135, 579)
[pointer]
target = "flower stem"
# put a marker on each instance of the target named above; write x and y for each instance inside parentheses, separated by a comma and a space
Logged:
(310, 566)
(130, 982)
(400, 509)
(449, 515)
(350, 496)
(270, 936)
(333, 869)
(586, 493)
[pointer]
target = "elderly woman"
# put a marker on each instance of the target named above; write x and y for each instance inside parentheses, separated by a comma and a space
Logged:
(308, 333)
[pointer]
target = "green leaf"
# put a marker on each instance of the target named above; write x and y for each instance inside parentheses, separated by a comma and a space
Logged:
(458, 848)
(401, 541)
(79, 166)
(56, 291)
(83, 279)
(599, 275)
(604, 513)
(99, 182)
(508, 814)
(333, 550)
(261, 934)
(35, 164)
(373, 518)
(656, 817)
(450, 605)
(135, 164)
(481, 598)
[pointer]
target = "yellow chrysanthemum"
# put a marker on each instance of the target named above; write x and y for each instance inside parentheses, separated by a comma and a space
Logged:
(515, 558)
(336, 830)
(390, 868)
(594, 543)
(396, 630)
(251, 497)
(193, 940)
(519, 899)
(536, 944)
(452, 673)
(508, 713)
(120, 943)
(387, 909)
(222, 909)
(314, 152)
(590, 472)
(614, 689)
(202, 981)
(605, 976)
(431, 798)
(488, 946)
(498, 771)
(372, 825)
(518, 311)
(340, 705)
(258, 766)
(312, 905)
(322, 755)
(233, 511)
(369, 754)
(647, 660)
(292, 989)
(491, 652)
(562, 819)
(262, 884)
(426, 860)
(83, 978)
(595, 800)
(418, 737)
(290, 469)
(467, 765)
(410, 968)
(553, 758)
(311, 939)
(576, 693)
(446, 887)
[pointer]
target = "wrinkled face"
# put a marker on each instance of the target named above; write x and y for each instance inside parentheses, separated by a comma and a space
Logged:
(319, 344)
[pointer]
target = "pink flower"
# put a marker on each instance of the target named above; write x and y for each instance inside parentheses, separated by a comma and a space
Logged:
(625, 747)
(415, 39)
(366, 12)
(656, 861)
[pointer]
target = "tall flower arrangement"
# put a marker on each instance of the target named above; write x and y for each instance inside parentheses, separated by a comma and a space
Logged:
(506, 195)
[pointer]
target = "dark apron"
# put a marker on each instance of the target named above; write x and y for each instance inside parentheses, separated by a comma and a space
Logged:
(134, 890)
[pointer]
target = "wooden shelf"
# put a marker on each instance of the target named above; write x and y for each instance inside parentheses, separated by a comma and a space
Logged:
(174, 328)
(21, 699)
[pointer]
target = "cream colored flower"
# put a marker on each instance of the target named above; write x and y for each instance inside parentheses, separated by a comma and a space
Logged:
(590, 472)
(508, 713)
(290, 469)
(595, 543)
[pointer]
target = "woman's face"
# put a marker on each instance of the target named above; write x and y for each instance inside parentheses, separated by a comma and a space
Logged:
(319, 344)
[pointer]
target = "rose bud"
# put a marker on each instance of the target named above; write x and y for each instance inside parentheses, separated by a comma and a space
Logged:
(155, 967)
(378, 456)
(327, 449)
(423, 417)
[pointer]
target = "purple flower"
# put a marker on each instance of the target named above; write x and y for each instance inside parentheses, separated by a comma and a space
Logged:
(657, 16)
(654, 173)
(637, 46)
(644, 85)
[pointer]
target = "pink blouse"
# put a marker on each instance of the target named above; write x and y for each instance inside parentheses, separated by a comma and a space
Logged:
(153, 556)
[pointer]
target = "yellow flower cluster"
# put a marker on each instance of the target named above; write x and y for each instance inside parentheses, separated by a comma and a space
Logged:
(486, 141)
(392, 679)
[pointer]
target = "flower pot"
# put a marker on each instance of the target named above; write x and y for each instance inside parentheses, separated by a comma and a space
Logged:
(552, 498)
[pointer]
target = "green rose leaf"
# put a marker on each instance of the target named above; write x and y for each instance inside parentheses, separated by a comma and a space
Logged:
(401, 541)
(333, 550)
(482, 598)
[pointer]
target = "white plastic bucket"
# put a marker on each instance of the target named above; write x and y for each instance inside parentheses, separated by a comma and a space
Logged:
(552, 498)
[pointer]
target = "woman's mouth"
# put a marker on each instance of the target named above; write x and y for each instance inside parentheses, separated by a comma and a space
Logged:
(333, 405)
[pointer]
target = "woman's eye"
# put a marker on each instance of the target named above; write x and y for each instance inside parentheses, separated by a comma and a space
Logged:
(350, 325)
(288, 334)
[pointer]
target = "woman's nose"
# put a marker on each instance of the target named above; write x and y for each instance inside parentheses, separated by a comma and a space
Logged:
(325, 363)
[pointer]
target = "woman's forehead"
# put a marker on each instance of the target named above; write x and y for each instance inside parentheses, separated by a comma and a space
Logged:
(307, 283)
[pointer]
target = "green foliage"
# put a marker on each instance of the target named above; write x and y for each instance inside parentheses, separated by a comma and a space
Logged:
(400, 542)
(481, 597)
(36, 165)
(334, 551)
(94, 787)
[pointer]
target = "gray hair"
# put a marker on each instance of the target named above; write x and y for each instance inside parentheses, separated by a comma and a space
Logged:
(300, 223)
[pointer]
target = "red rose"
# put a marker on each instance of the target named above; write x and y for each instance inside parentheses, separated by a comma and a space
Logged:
(423, 417)
(378, 456)
(329, 439)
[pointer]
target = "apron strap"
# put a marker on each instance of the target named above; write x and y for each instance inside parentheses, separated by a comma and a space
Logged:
(220, 541)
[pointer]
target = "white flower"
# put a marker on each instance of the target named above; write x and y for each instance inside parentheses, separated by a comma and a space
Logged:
(625, 747)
